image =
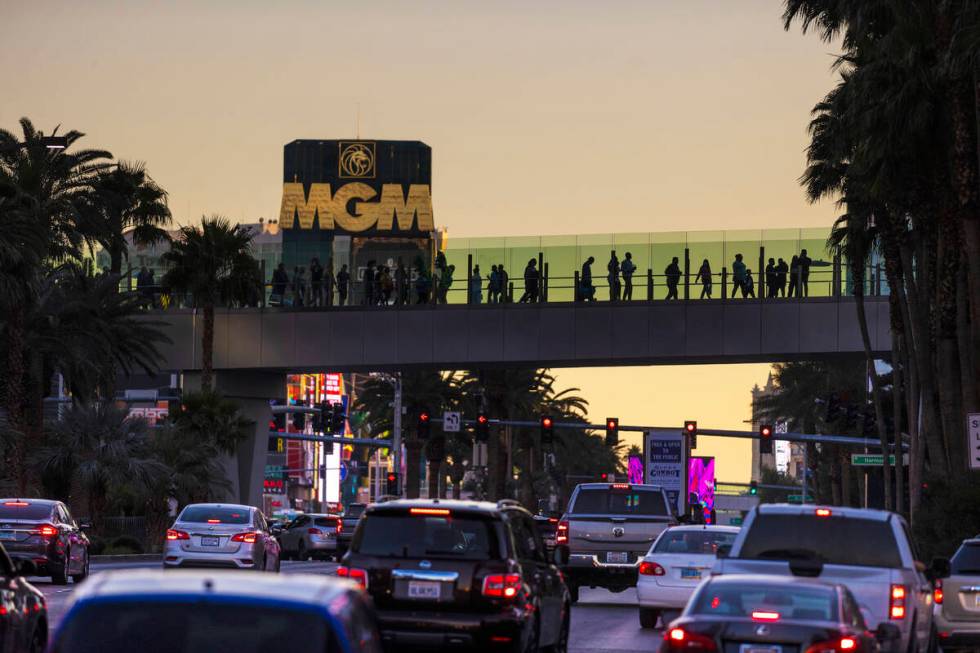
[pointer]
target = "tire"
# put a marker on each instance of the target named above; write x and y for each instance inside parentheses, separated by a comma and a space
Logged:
(78, 578)
(301, 553)
(278, 565)
(573, 591)
(60, 576)
(649, 618)
(38, 639)
(530, 645)
(561, 646)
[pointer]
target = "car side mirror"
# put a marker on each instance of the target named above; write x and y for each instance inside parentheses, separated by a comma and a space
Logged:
(560, 555)
(723, 550)
(939, 568)
(25, 568)
(85, 525)
(887, 632)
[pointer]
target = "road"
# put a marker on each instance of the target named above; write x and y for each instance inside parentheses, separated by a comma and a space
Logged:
(601, 621)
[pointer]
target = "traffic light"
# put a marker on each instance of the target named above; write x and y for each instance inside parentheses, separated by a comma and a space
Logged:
(612, 431)
(606, 477)
(318, 419)
(328, 448)
(765, 438)
(481, 428)
(691, 429)
(337, 418)
(547, 430)
(278, 422)
(393, 483)
(424, 422)
(753, 488)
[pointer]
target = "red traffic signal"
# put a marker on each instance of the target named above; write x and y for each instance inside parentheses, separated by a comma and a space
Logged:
(612, 431)
(547, 430)
(482, 420)
(546, 422)
(765, 431)
(765, 438)
(424, 417)
(423, 424)
(691, 427)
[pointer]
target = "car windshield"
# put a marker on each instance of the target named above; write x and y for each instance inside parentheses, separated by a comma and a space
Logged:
(603, 501)
(214, 515)
(184, 627)
(766, 602)
(701, 541)
(24, 510)
(426, 537)
(967, 560)
(830, 540)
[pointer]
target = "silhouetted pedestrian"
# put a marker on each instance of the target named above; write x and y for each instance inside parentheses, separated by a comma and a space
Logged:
(794, 277)
(628, 268)
(280, 279)
(367, 282)
(705, 278)
(476, 286)
(738, 275)
(782, 270)
(401, 283)
(422, 285)
(316, 282)
(385, 285)
(804, 285)
(673, 274)
(447, 282)
(493, 285)
(504, 284)
(772, 279)
(585, 281)
(531, 279)
(612, 276)
(299, 286)
(343, 285)
(328, 285)
(748, 286)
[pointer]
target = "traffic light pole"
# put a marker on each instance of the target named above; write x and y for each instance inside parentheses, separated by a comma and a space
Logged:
(396, 426)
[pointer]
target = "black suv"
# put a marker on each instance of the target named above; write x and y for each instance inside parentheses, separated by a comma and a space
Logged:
(458, 574)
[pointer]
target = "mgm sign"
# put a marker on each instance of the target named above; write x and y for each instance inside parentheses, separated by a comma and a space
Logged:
(358, 187)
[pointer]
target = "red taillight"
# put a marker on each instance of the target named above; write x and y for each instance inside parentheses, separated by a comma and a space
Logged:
(561, 535)
(214, 521)
(339, 527)
(552, 520)
(502, 586)
(359, 576)
(847, 644)
(764, 615)
(620, 486)
(651, 569)
(678, 639)
(17, 504)
(46, 530)
(823, 512)
(247, 538)
(839, 646)
(896, 606)
(937, 593)
(177, 535)
(314, 531)
(440, 512)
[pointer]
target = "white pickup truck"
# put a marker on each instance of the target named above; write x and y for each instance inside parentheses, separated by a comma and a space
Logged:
(871, 552)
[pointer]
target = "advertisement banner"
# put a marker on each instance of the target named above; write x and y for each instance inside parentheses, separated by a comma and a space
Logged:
(665, 464)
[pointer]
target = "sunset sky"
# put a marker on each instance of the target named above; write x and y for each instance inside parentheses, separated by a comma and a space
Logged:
(544, 117)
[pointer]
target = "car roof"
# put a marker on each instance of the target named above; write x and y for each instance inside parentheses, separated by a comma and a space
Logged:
(771, 579)
(722, 528)
(149, 583)
(835, 511)
(237, 506)
(484, 507)
(606, 486)
(40, 502)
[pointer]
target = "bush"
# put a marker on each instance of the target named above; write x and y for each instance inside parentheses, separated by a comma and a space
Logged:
(96, 545)
(124, 545)
(949, 514)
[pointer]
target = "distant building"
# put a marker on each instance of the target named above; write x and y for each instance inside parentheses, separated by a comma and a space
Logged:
(787, 457)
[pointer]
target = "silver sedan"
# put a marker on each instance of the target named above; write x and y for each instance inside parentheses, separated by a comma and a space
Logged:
(221, 535)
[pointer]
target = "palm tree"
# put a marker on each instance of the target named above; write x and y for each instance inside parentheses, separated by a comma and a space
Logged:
(125, 201)
(213, 265)
(208, 416)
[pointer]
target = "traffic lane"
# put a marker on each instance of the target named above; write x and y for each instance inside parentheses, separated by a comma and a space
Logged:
(57, 597)
(603, 622)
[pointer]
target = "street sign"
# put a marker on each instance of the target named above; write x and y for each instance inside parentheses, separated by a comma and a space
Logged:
(735, 521)
(794, 498)
(665, 464)
(343, 471)
(451, 421)
(875, 459)
(973, 435)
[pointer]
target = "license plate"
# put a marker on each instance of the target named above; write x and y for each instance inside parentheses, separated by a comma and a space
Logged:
(423, 590)
(617, 558)
(210, 540)
(755, 648)
(690, 572)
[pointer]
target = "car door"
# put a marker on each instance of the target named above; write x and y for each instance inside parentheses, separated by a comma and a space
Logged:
(75, 540)
(530, 554)
(12, 618)
(296, 531)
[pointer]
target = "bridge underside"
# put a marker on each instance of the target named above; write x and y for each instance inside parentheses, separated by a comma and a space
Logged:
(531, 335)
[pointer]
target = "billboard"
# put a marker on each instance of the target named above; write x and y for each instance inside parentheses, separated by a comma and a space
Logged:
(701, 482)
(665, 455)
(357, 187)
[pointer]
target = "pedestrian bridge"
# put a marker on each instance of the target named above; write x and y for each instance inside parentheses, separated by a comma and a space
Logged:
(554, 334)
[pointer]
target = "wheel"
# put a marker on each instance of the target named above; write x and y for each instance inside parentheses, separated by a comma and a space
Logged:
(933, 646)
(649, 617)
(278, 564)
(301, 553)
(529, 644)
(573, 591)
(38, 640)
(79, 577)
(60, 576)
(561, 646)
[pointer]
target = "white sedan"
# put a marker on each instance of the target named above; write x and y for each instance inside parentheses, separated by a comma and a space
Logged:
(674, 566)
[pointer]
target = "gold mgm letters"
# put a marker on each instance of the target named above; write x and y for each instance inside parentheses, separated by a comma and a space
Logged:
(334, 213)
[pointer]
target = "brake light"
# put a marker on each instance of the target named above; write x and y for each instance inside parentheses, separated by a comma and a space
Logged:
(620, 486)
(561, 535)
(552, 520)
(214, 521)
(177, 535)
(937, 593)
(17, 504)
(247, 538)
(502, 586)
(823, 512)
(339, 527)
(46, 530)
(847, 644)
(359, 576)
(429, 511)
(314, 531)
(678, 639)
(897, 602)
(760, 615)
(651, 569)
(839, 646)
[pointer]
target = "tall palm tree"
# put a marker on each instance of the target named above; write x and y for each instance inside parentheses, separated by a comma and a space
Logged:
(125, 201)
(213, 265)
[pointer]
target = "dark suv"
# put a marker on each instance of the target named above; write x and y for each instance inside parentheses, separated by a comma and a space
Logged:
(45, 533)
(456, 574)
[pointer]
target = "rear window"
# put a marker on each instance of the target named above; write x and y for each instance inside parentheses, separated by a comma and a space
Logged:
(214, 515)
(767, 602)
(966, 560)
(601, 501)
(156, 627)
(416, 536)
(24, 510)
(697, 542)
(326, 521)
(832, 540)
(355, 510)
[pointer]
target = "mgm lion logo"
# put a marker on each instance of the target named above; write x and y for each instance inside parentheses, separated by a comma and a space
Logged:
(356, 160)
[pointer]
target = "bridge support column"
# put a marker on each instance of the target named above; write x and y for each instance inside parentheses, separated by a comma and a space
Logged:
(251, 391)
